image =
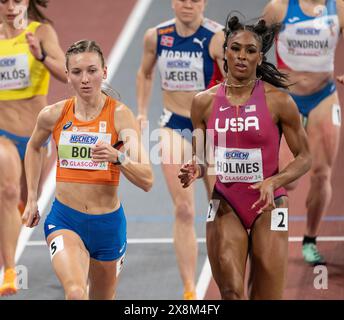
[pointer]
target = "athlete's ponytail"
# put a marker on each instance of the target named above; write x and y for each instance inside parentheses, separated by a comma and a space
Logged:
(265, 35)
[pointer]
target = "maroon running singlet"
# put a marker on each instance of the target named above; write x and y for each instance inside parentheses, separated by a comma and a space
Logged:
(246, 148)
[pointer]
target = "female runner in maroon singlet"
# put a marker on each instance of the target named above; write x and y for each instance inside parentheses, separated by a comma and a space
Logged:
(245, 116)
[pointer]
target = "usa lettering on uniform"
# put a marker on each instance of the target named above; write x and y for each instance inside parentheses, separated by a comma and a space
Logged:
(238, 124)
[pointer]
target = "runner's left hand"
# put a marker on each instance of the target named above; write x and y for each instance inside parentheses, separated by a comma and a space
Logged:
(104, 152)
(266, 198)
(31, 214)
(188, 173)
(34, 45)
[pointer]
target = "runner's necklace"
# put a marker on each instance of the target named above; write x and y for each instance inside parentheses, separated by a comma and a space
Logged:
(233, 85)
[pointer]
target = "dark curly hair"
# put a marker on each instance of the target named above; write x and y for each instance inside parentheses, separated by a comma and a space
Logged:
(265, 35)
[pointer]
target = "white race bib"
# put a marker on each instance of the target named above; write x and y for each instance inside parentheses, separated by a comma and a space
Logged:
(239, 165)
(181, 71)
(212, 209)
(310, 45)
(75, 150)
(119, 265)
(56, 245)
(279, 219)
(336, 115)
(14, 72)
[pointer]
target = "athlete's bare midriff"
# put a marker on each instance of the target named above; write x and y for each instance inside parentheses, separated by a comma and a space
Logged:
(88, 198)
(19, 116)
(307, 83)
(178, 102)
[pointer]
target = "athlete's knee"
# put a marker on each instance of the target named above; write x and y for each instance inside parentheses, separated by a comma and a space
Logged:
(225, 261)
(184, 211)
(230, 290)
(10, 165)
(75, 292)
(321, 175)
(10, 192)
(231, 293)
(8, 154)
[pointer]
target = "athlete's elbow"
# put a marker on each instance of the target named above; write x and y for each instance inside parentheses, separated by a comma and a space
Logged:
(63, 79)
(143, 75)
(146, 187)
(308, 164)
(147, 183)
(32, 147)
(60, 75)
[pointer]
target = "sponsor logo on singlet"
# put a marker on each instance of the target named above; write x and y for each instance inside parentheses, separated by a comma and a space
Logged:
(166, 30)
(308, 31)
(293, 19)
(236, 154)
(83, 138)
(7, 62)
(199, 42)
(67, 125)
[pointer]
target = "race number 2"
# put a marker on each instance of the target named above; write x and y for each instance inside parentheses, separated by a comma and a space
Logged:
(212, 209)
(279, 219)
(336, 115)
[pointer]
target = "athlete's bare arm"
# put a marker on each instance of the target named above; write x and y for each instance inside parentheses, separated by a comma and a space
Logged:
(201, 108)
(200, 112)
(46, 121)
(285, 109)
(144, 78)
(137, 168)
(216, 49)
(275, 11)
(46, 38)
(284, 112)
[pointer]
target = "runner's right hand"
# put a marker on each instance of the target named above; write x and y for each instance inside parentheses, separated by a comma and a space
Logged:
(31, 214)
(188, 173)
